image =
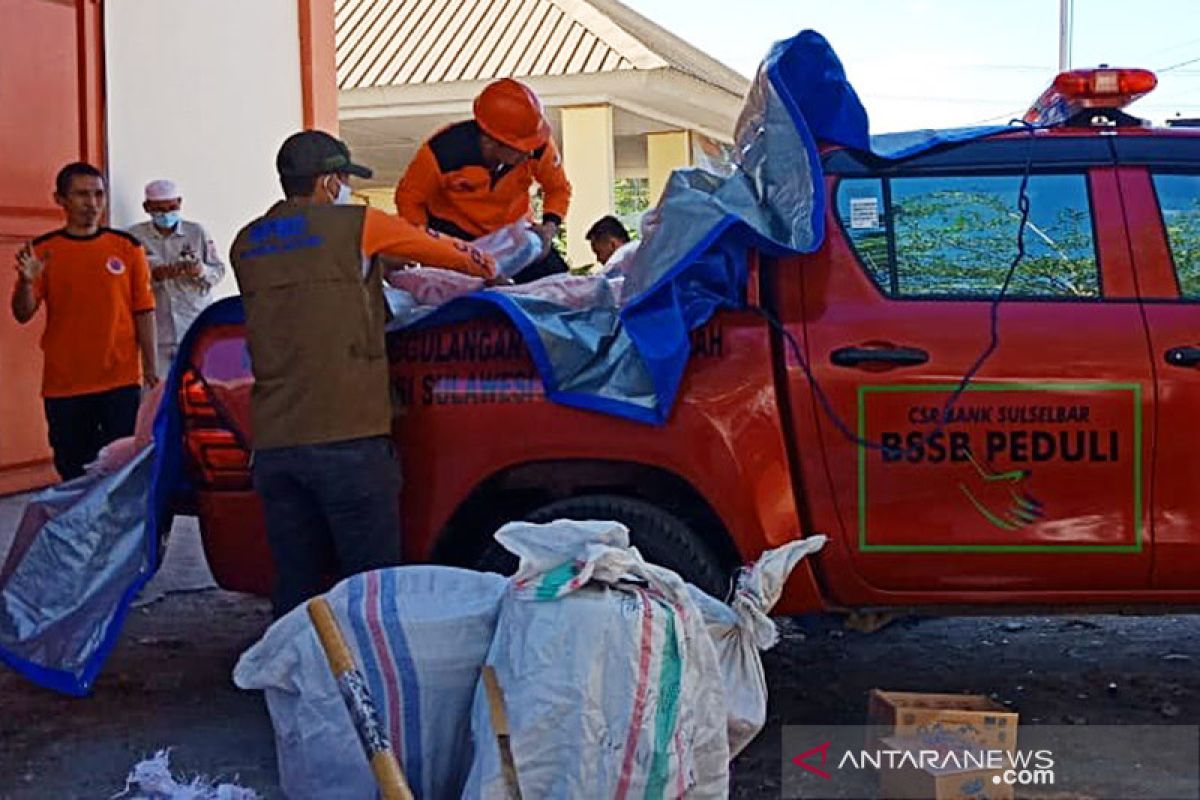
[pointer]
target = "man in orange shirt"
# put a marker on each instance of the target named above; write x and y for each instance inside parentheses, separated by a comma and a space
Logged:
(473, 178)
(321, 410)
(95, 284)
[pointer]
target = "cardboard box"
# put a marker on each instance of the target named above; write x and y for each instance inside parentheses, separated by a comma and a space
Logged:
(968, 717)
(942, 781)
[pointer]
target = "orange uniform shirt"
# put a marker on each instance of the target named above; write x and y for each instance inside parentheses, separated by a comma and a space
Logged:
(91, 287)
(387, 235)
(449, 182)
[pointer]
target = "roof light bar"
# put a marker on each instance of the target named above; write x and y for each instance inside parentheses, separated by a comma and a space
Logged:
(1080, 89)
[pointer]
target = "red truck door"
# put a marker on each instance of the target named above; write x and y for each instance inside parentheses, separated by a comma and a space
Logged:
(1037, 481)
(1160, 191)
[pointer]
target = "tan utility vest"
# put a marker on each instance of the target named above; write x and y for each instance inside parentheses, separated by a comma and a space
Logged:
(314, 327)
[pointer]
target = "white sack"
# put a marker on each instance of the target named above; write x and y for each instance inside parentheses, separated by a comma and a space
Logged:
(610, 679)
(740, 632)
(419, 636)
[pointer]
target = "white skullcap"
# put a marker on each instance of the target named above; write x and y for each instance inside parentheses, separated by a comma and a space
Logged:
(162, 190)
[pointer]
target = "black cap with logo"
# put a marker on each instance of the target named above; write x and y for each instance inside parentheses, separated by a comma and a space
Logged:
(310, 153)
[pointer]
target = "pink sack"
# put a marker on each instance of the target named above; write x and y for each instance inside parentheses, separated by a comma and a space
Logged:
(114, 455)
(120, 452)
(430, 286)
(573, 291)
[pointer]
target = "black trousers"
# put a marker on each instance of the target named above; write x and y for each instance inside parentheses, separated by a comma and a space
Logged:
(332, 510)
(82, 424)
(552, 264)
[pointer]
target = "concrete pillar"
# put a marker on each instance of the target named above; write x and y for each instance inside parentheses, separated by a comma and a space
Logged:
(318, 65)
(587, 145)
(665, 153)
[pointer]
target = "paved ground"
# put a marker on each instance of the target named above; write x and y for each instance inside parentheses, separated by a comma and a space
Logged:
(168, 683)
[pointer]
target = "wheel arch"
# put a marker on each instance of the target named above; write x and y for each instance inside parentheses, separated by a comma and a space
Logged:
(513, 492)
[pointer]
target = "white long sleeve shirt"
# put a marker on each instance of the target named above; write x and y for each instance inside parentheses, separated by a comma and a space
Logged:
(621, 258)
(180, 298)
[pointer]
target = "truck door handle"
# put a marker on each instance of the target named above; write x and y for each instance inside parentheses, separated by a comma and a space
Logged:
(891, 356)
(1183, 356)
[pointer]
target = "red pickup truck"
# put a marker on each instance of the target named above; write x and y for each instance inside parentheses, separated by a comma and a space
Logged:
(1062, 475)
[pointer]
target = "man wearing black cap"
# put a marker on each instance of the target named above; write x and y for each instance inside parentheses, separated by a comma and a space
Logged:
(323, 460)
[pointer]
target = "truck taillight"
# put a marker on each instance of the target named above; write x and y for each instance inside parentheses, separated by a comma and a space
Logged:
(218, 451)
(194, 402)
(216, 458)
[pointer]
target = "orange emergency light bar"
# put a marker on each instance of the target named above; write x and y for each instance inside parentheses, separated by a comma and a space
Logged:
(1079, 89)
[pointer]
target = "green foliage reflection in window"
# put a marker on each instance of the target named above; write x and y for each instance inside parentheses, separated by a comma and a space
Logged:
(956, 236)
(1179, 199)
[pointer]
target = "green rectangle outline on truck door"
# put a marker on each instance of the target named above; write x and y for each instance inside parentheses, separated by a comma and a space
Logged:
(1136, 547)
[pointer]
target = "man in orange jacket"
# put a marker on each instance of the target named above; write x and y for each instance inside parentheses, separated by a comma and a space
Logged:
(473, 177)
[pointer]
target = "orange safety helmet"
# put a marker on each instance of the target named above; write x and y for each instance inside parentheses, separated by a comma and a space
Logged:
(511, 113)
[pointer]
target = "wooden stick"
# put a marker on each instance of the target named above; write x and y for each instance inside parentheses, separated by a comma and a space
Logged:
(357, 697)
(508, 767)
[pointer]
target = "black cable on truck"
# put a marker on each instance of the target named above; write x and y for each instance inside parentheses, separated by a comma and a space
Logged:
(1023, 206)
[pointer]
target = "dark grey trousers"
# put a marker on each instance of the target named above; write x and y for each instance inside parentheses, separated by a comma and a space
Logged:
(333, 510)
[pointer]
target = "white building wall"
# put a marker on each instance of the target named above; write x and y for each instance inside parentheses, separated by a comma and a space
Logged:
(202, 92)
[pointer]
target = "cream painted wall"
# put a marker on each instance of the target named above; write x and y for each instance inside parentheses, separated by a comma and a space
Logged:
(203, 92)
(382, 197)
(665, 153)
(588, 160)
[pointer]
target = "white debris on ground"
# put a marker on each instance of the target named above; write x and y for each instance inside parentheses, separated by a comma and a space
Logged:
(151, 779)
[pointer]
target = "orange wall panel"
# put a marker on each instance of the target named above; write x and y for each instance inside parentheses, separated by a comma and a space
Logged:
(39, 78)
(23, 449)
(49, 81)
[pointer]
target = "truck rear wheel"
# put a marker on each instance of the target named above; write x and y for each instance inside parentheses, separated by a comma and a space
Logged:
(660, 537)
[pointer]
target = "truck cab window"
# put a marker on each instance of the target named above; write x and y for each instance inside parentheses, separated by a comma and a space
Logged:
(954, 237)
(862, 210)
(1179, 200)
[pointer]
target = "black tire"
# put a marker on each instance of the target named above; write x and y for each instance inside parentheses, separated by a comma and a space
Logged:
(660, 537)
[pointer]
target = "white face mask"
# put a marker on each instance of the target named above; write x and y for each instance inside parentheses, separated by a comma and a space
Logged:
(342, 196)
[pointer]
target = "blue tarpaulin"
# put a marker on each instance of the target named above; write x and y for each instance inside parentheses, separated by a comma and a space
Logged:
(623, 359)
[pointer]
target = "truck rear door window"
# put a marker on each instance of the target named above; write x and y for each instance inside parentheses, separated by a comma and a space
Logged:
(954, 237)
(1179, 200)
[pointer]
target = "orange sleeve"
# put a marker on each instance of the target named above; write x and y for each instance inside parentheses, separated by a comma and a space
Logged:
(421, 181)
(393, 236)
(139, 280)
(555, 187)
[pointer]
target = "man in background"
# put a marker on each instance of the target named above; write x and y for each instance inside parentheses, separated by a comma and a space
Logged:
(95, 285)
(474, 177)
(610, 243)
(184, 266)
